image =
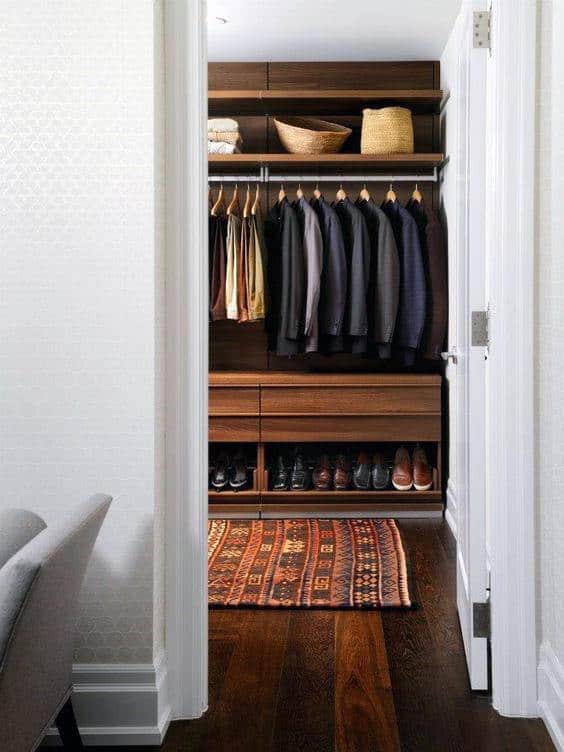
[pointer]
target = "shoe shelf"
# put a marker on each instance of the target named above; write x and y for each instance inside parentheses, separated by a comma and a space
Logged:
(266, 410)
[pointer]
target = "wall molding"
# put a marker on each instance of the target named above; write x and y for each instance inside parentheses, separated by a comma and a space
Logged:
(551, 694)
(120, 704)
(451, 511)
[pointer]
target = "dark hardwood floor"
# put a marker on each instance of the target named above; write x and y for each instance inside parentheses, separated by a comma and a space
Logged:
(350, 681)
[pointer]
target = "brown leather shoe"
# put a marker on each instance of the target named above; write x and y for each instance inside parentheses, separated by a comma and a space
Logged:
(402, 474)
(342, 477)
(322, 474)
(422, 472)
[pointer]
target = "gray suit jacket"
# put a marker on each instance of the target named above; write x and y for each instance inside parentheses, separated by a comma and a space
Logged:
(334, 273)
(313, 255)
(383, 288)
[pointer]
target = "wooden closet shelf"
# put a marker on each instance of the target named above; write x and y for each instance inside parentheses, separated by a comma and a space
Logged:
(233, 497)
(358, 496)
(234, 102)
(326, 161)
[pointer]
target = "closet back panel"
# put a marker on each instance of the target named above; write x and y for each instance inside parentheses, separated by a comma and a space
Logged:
(243, 347)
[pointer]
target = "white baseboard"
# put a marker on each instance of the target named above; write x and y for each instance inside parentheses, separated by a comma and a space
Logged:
(451, 513)
(120, 704)
(551, 694)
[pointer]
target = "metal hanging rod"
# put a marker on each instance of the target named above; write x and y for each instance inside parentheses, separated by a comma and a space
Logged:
(266, 177)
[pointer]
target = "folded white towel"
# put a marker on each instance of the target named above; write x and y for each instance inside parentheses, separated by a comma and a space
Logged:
(222, 124)
(220, 147)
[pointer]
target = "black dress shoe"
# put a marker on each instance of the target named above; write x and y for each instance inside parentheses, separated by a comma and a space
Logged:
(220, 475)
(238, 474)
(300, 475)
(281, 475)
(361, 475)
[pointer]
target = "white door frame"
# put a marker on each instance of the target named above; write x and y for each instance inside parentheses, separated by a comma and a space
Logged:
(510, 462)
(510, 472)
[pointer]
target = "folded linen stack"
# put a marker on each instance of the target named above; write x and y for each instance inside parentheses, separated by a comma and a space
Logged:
(224, 136)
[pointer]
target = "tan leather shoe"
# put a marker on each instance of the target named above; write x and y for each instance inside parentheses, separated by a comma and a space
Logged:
(402, 474)
(422, 472)
(322, 474)
(342, 478)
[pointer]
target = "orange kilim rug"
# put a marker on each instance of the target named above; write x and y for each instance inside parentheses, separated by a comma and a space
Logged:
(307, 564)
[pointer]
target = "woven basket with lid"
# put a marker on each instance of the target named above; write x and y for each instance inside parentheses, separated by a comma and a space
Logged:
(388, 130)
(301, 135)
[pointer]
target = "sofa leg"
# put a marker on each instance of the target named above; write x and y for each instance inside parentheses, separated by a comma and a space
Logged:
(67, 727)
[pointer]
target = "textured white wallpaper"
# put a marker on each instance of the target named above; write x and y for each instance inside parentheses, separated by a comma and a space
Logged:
(79, 280)
(549, 356)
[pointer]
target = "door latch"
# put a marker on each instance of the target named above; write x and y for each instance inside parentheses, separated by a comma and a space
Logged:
(450, 355)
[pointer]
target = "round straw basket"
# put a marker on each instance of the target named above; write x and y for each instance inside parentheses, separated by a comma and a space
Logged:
(300, 135)
(387, 131)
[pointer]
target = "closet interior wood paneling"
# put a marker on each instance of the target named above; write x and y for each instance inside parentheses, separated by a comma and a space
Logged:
(261, 399)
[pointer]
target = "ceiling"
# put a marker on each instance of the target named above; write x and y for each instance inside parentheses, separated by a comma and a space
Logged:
(329, 30)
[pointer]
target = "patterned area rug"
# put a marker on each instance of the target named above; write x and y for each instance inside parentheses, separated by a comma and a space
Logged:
(307, 564)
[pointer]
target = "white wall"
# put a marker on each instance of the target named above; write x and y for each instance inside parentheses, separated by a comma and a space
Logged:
(549, 363)
(81, 273)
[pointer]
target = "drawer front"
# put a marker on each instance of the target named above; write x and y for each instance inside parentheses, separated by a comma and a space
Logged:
(350, 400)
(231, 428)
(233, 400)
(355, 428)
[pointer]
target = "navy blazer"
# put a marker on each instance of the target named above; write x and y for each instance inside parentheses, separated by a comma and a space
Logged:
(410, 321)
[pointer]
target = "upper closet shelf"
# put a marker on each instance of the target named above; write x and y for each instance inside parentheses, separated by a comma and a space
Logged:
(338, 161)
(235, 102)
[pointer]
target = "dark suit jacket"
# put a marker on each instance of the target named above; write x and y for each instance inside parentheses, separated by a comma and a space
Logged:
(413, 299)
(383, 288)
(434, 259)
(288, 280)
(334, 274)
(217, 227)
(357, 250)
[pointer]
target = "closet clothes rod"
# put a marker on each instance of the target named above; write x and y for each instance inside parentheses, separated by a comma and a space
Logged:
(266, 177)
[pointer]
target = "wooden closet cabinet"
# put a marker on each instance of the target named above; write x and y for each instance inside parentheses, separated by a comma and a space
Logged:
(336, 410)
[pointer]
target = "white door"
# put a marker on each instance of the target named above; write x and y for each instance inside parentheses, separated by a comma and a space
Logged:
(463, 198)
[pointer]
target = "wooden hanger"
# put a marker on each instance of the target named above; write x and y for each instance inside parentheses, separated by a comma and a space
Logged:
(256, 203)
(317, 192)
(234, 201)
(281, 193)
(341, 194)
(416, 195)
(390, 195)
(220, 203)
(247, 207)
(299, 192)
(364, 195)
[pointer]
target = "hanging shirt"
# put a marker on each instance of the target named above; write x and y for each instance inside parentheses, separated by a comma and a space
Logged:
(288, 289)
(217, 227)
(357, 251)
(233, 260)
(383, 287)
(435, 263)
(242, 275)
(257, 253)
(313, 257)
(412, 299)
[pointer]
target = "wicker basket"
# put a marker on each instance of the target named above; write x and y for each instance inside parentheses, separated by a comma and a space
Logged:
(300, 135)
(387, 131)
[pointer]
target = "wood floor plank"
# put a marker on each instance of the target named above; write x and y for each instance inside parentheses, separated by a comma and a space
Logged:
(243, 718)
(365, 717)
(305, 708)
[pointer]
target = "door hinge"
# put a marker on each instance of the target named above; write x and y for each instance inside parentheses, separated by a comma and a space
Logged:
(481, 29)
(480, 329)
(481, 620)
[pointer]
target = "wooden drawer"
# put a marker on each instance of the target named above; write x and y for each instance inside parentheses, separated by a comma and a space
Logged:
(233, 428)
(233, 400)
(351, 428)
(350, 400)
